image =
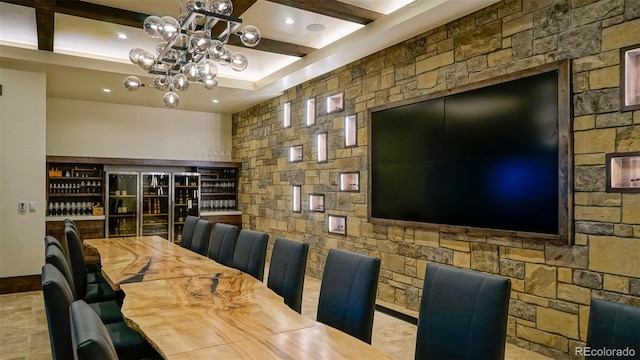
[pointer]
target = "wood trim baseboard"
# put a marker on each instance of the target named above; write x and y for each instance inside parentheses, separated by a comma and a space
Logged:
(16, 284)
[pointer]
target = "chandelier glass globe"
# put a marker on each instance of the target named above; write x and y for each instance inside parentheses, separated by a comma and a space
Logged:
(250, 36)
(200, 42)
(171, 99)
(222, 7)
(181, 82)
(207, 69)
(196, 5)
(210, 84)
(161, 82)
(132, 83)
(170, 28)
(238, 61)
(191, 71)
(151, 25)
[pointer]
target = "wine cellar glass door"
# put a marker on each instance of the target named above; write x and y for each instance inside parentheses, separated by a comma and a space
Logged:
(122, 200)
(186, 198)
(155, 206)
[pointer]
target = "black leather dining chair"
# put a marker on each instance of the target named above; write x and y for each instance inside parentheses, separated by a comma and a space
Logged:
(201, 236)
(52, 241)
(75, 257)
(251, 252)
(89, 337)
(613, 326)
(463, 314)
(187, 231)
(94, 276)
(91, 267)
(223, 243)
(286, 270)
(109, 311)
(348, 293)
(57, 299)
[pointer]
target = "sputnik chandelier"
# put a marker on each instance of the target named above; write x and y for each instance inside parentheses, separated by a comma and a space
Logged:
(189, 51)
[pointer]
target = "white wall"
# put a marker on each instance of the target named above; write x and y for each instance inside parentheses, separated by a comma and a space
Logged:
(22, 171)
(84, 128)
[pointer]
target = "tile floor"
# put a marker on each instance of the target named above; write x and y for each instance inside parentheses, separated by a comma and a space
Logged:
(24, 334)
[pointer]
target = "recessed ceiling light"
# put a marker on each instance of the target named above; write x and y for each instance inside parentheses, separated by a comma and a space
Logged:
(316, 27)
(122, 35)
(106, 90)
(288, 21)
(215, 101)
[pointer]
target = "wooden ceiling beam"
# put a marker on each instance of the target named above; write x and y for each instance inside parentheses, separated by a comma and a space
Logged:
(275, 46)
(46, 8)
(45, 24)
(335, 9)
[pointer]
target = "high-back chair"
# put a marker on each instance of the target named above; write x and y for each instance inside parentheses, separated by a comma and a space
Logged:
(251, 252)
(75, 257)
(52, 241)
(201, 236)
(109, 311)
(463, 314)
(57, 299)
(348, 293)
(187, 231)
(286, 270)
(89, 337)
(223, 243)
(613, 326)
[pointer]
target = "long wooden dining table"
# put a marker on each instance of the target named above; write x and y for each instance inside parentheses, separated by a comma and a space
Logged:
(190, 307)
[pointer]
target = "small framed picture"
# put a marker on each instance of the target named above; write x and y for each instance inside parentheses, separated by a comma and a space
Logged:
(316, 202)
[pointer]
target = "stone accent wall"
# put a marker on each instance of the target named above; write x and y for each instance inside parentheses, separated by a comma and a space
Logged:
(552, 285)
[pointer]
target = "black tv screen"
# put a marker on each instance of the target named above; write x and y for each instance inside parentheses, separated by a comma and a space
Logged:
(483, 158)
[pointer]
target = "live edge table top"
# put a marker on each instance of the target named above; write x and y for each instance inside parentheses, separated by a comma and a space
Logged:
(190, 307)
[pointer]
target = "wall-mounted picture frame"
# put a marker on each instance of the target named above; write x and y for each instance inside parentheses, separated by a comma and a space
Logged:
(311, 111)
(350, 131)
(322, 147)
(296, 199)
(295, 153)
(335, 103)
(630, 78)
(286, 114)
(349, 181)
(337, 224)
(316, 202)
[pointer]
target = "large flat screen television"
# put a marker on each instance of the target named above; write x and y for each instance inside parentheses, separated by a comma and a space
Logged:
(488, 156)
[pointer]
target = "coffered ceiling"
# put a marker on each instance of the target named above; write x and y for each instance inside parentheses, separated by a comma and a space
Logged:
(77, 43)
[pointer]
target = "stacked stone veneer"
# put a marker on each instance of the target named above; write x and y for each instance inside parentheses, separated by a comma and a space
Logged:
(551, 285)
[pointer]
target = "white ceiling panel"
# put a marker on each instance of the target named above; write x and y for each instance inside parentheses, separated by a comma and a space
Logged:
(269, 18)
(380, 6)
(18, 26)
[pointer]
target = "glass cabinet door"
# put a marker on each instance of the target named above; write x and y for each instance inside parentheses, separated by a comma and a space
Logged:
(218, 191)
(155, 206)
(122, 200)
(186, 197)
